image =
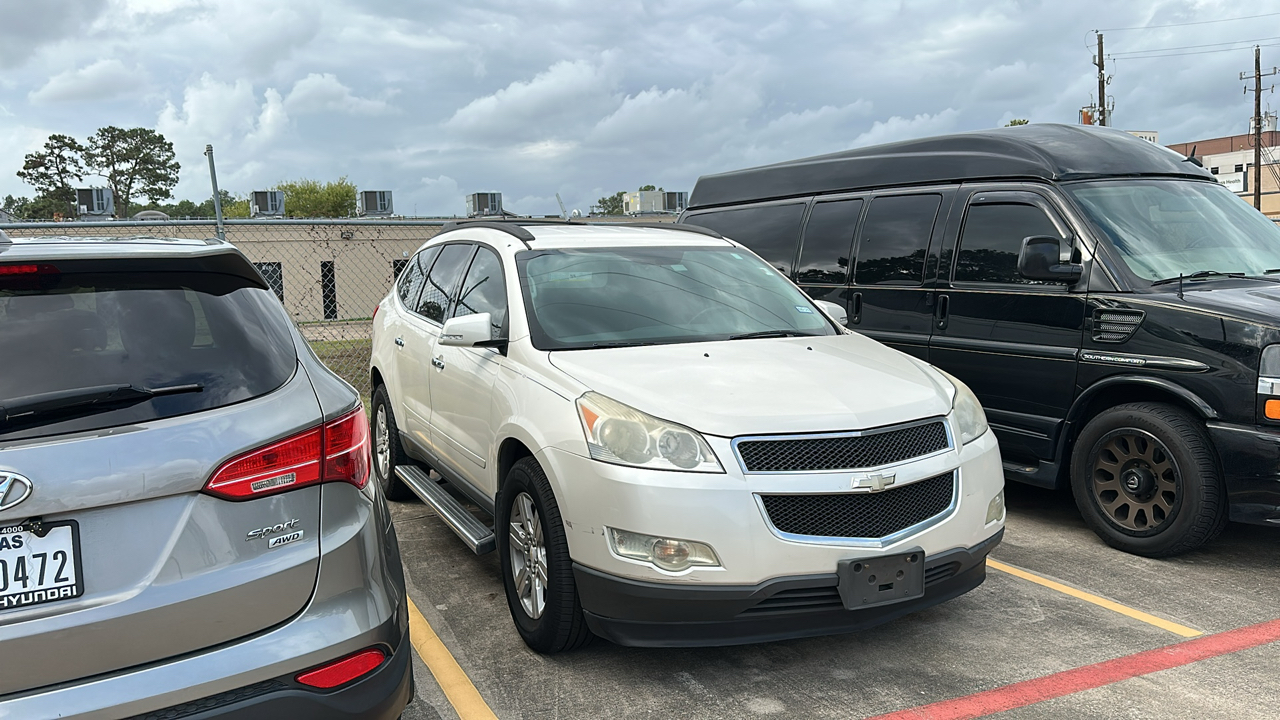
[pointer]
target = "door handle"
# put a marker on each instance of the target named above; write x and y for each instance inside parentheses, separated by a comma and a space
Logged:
(438, 363)
(400, 341)
(942, 310)
(857, 308)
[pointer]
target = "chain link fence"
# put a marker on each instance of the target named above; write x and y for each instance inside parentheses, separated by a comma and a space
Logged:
(329, 274)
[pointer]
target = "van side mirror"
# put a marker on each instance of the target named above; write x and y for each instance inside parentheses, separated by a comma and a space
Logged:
(1040, 259)
(833, 311)
(469, 331)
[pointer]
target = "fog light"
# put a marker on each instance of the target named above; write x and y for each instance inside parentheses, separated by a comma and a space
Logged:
(995, 508)
(664, 553)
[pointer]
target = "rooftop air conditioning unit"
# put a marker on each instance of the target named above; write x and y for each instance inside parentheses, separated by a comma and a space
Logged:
(95, 202)
(483, 204)
(375, 202)
(266, 203)
(675, 202)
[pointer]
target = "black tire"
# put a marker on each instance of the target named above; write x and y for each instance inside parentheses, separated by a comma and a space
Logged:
(560, 625)
(1145, 477)
(385, 474)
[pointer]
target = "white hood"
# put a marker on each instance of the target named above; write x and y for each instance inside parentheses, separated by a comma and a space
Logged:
(767, 385)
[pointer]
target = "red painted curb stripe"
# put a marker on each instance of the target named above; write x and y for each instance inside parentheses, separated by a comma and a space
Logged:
(1030, 692)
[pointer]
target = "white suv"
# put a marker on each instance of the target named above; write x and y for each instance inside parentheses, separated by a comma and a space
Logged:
(676, 445)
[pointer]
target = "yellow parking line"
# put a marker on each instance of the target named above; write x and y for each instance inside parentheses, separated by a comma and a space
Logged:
(457, 686)
(1161, 623)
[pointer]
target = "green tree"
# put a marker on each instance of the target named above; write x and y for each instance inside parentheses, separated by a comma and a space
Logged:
(51, 171)
(133, 160)
(1017, 121)
(644, 188)
(15, 206)
(312, 198)
(611, 204)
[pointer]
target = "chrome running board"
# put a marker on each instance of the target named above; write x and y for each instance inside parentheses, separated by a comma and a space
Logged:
(478, 536)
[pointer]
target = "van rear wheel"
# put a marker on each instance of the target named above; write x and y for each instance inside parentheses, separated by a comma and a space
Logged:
(1146, 480)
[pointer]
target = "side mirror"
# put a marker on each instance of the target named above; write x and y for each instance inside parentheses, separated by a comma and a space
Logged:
(833, 311)
(469, 331)
(1040, 259)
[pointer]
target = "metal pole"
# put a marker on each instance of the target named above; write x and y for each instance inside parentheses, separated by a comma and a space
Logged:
(217, 197)
(1102, 85)
(1255, 177)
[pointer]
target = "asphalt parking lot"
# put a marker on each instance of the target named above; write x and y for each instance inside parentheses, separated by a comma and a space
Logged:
(1062, 601)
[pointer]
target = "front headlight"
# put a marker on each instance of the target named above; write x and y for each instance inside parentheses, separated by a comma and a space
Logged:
(622, 435)
(971, 421)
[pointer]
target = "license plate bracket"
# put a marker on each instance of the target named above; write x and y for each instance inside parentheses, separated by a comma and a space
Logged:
(40, 563)
(871, 582)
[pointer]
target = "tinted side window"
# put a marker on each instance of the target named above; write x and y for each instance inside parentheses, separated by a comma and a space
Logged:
(824, 255)
(410, 282)
(895, 239)
(770, 232)
(483, 291)
(992, 239)
(441, 281)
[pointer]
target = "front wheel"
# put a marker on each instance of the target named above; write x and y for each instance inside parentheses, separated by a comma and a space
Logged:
(1146, 480)
(537, 572)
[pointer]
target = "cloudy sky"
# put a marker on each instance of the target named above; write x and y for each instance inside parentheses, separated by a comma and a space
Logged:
(437, 99)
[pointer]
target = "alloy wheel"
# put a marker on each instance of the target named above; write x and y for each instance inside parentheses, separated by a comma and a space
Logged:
(1135, 480)
(382, 443)
(528, 556)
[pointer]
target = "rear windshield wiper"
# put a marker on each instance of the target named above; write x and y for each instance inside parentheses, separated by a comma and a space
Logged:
(85, 400)
(1196, 275)
(770, 334)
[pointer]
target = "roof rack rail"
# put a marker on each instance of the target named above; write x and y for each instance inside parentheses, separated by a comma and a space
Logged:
(671, 226)
(512, 229)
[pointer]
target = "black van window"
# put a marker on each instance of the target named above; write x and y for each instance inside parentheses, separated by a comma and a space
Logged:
(828, 237)
(895, 240)
(442, 280)
(992, 239)
(771, 231)
(484, 291)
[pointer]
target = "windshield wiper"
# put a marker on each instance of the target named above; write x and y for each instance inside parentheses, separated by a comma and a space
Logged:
(770, 334)
(1196, 275)
(85, 400)
(621, 344)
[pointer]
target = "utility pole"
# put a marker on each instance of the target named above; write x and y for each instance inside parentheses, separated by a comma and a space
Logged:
(1256, 176)
(1101, 62)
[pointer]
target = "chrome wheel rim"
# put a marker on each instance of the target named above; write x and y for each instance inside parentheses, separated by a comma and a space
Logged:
(382, 443)
(1135, 481)
(528, 556)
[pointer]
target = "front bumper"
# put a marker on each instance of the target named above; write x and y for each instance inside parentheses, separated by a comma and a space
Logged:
(1251, 469)
(723, 511)
(645, 614)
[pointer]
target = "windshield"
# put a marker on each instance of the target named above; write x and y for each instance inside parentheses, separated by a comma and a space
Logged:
(624, 296)
(139, 345)
(1163, 228)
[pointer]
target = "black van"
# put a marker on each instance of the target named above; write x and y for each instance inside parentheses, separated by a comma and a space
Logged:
(1116, 310)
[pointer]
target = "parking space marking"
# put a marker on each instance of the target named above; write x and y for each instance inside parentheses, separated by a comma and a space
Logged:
(453, 680)
(1069, 682)
(1161, 623)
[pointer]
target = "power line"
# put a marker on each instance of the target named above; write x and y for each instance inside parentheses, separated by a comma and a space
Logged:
(1199, 52)
(1201, 22)
(1193, 47)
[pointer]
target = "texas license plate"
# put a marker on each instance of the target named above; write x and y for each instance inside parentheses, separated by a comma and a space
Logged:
(869, 582)
(39, 563)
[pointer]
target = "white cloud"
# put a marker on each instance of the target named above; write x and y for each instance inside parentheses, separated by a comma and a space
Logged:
(900, 128)
(324, 93)
(555, 103)
(102, 80)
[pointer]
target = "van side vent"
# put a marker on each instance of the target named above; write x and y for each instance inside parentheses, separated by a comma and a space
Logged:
(1115, 326)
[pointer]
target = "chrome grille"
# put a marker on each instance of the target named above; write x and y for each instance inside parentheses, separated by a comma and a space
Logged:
(842, 452)
(861, 515)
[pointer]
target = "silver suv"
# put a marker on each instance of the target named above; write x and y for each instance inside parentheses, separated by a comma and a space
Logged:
(186, 522)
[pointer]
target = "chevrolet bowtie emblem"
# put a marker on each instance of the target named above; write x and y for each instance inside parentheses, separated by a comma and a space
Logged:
(873, 483)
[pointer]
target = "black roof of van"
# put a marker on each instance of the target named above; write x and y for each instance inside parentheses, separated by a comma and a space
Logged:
(1041, 152)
